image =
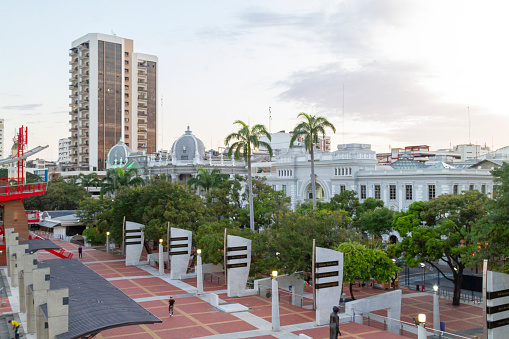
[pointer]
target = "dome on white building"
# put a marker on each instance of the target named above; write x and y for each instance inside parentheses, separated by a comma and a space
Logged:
(188, 148)
(117, 156)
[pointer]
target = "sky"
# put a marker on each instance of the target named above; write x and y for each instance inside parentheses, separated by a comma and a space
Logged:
(385, 73)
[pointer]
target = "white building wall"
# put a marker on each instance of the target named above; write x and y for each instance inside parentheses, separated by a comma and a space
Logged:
(355, 165)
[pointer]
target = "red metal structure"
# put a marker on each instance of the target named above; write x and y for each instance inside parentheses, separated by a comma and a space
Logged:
(62, 253)
(13, 191)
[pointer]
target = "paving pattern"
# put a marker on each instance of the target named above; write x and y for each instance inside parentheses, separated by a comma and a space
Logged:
(196, 318)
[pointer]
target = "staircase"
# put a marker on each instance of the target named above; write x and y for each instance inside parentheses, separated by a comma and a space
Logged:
(6, 330)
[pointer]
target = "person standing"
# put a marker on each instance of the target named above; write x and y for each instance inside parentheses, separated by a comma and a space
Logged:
(15, 327)
(80, 252)
(171, 302)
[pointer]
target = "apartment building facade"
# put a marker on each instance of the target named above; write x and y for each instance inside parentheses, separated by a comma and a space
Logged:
(2, 141)
(114, 96)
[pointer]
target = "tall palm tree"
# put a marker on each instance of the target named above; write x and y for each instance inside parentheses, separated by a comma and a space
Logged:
(207, 179)
(246, 140)
(309, 129)
(88, 180)
(117, 177)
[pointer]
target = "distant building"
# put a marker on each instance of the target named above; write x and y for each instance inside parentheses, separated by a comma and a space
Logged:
(470, 152)
(114, 96)
(64, 153)
(1, 138)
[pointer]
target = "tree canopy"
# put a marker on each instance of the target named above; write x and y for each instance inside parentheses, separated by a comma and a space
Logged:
(60, 195)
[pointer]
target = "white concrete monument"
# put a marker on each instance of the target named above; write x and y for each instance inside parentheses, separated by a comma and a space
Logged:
(134, 239)
(328, 284)
(390, 301)
(497, 305)
(238, 261)
(180, 251)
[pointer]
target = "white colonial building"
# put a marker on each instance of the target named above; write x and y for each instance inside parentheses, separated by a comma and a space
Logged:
(351, 167)
(355, 167)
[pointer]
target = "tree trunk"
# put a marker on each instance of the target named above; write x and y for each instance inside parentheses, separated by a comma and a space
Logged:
(458, 279)
(250, 187)
(313, 184)
(351, 292)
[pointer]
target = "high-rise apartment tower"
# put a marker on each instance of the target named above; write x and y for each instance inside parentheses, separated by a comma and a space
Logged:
(114, 97)
(1, 138)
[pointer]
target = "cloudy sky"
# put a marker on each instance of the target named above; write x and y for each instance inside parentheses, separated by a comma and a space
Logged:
(383, 72)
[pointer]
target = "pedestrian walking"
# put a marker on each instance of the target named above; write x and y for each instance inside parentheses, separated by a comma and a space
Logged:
(15, 327)
(171, 302)
(80, 252)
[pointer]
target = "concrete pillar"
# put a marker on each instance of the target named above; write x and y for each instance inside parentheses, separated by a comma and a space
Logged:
(421, 332)
(17, 252)
(275, 305)
(199, 274)
(58, 312)
(161, 259)
(28, 263)
(41, 285)
(7, 239)
(436, 312)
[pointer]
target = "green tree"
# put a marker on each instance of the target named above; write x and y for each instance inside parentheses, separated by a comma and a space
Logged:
(346, 201)
(292, 236)
(310, 128)
(153, 205)
(442, 229)
(245, 141)
(492, 237)
(376, 222)
(116, 178)
(88, 180)
(364, 263)
(267, 202)
(60, 195)
(207, 179)
(224, 201)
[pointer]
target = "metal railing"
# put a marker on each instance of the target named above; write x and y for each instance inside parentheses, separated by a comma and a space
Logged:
(401, 327)
(286, 296)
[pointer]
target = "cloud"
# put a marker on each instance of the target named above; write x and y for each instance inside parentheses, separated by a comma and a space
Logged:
(258, 17)
(24, 107)
(384, 100)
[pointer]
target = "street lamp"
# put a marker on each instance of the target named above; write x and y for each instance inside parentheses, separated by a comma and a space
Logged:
(275, 302)
(161, 257)
(423, 266)
(421, 330)
(107, 242)
(436, 309)
(199, 273)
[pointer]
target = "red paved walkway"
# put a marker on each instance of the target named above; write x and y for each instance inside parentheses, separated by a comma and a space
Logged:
(194, 318)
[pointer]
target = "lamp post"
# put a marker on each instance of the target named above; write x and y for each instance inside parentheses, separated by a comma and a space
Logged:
(423, 266)
(275, 303)
(421, 329)
(199, 273)
(436, 309)
(107, 242)
(161, 257)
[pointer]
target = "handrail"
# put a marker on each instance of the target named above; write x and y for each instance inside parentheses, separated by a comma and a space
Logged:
(405, 326)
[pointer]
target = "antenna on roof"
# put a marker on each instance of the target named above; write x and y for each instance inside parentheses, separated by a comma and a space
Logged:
(270, 120)
(113, 33)
(343, 113)
(469, 125)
